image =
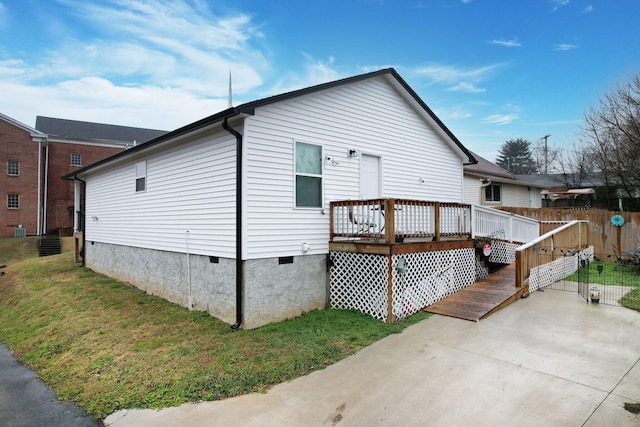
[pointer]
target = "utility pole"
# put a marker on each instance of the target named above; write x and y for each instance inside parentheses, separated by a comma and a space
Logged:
(546, 154)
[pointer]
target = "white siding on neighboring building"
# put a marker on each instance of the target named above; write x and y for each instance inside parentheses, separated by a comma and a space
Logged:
(516, 196)
(370, 117)
(190, 187)
(472, 191)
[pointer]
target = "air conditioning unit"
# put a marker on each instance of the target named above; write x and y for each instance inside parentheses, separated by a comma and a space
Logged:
(20, 232)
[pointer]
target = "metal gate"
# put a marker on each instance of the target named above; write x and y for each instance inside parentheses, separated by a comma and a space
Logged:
(604, 280)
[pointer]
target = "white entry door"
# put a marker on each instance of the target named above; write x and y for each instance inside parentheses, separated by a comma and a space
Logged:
(369, 177)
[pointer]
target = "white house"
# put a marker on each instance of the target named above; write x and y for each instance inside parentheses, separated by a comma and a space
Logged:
(486, 183)
(253, 183)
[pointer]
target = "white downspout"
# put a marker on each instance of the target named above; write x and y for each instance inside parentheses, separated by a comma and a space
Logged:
(38, 226)
(190, 302)
(46, 187)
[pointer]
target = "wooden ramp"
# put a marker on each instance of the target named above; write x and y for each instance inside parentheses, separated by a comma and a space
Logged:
(483, 297)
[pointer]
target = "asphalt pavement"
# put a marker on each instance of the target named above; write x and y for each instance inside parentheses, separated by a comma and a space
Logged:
(25, 401)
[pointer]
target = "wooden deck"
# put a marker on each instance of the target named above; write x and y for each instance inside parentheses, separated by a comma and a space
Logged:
(483, 297)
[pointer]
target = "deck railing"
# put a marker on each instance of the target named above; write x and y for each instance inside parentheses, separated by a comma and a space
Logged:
(489, 222)
(393, 220)
(574, 234)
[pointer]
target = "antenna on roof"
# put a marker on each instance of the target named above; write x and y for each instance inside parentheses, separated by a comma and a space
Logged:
(230, 94)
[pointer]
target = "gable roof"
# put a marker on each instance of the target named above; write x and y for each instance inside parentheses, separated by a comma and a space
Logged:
(485, 169)
(250, 107)
(75, 129)
(33, 132)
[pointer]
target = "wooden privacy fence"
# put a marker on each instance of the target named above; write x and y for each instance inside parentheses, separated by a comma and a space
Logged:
(602, 233)
(574, 234)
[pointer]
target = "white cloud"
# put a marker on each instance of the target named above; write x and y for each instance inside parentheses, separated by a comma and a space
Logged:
(557, 4)
(506, 43)
(565, 46)
(466, 87)
(98, 99)
(315, 72)
(500, 119)
(163, 43)
(588, 9)
(151, 64)
(451, 75)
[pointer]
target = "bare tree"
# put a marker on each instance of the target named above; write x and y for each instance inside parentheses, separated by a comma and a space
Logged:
(575, 165)
(612, 133)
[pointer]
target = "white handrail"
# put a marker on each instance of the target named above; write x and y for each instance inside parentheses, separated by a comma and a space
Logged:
(490, 222)
(549, 234)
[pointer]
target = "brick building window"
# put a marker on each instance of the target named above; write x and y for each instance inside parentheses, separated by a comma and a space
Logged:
(76, 159)
(13, 167)
(13, 201)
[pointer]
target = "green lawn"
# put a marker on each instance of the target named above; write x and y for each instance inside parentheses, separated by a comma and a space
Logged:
(106, 346)
(612, 274)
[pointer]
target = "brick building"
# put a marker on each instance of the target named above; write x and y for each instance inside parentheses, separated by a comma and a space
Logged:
(34, 194)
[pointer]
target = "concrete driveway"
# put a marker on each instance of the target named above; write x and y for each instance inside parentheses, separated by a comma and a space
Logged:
(548, 360)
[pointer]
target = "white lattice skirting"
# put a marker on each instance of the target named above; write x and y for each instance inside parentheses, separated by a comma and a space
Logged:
(360, 281)
(502, 252)
(546, 274)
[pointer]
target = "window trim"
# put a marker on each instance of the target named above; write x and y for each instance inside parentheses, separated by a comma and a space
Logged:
(17, 200)
(17, 163)
(310, 175)
(492, 200)
(142, 176)
(79, 157)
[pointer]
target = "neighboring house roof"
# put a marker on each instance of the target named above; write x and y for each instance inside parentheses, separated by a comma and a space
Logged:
(249, 109)
(485, 169)
(560, 181)
(75, 129)
(33, 132)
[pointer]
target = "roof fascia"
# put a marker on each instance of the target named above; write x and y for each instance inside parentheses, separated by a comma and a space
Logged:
(249, 108)
(34, 133)
(180, 132)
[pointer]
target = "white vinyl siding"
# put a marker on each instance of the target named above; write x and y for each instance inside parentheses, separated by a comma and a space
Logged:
(190, 187)
(472, 188)
(517, 196)
(511, 195)
(370, 117)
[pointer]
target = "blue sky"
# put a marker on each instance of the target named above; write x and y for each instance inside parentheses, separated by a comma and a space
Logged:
(492, 70)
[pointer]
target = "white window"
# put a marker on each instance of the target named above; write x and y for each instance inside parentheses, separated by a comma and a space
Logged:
(13, 167)
(13, 201)
(308, 175)
(141, 176)
(492, 193)
(76, 159)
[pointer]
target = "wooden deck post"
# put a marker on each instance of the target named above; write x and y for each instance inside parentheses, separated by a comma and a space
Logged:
(390, 317)
(436, 219)
(331, 230)
(519, 268)
(389, 221)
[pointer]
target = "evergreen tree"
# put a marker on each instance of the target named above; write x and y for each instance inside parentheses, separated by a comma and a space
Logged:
(516, 157)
